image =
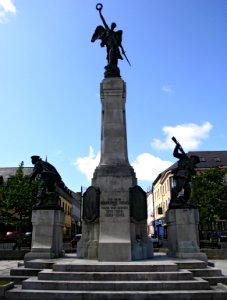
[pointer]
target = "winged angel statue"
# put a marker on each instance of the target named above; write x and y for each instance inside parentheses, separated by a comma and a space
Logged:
(112, 40)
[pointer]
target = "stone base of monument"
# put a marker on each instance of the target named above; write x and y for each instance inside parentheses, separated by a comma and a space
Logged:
(141, 245)
(114, 228)
(47, 234)
(114, 207)
(114, 225)
(183, 235)
(114, 250)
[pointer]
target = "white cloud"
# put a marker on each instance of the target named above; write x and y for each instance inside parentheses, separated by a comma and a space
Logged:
(147, 166)
(6, 7)
(87, 164)
(167, 89)
(189, 135)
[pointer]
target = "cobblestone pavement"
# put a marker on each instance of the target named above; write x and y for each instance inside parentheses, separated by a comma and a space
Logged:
(220, 264)
(6, 265)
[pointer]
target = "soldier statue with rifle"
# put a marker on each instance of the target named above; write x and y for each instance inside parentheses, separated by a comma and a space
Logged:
(181, 191)
(112, 40)
(49, 181)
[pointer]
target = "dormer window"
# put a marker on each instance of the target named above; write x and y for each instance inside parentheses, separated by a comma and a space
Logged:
(217, 159)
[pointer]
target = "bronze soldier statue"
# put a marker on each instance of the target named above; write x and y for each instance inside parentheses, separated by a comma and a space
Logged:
(182, 174)
(48, 178)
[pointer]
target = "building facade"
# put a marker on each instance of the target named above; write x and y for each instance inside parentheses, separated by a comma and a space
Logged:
(150, 214)
(69, 201)
(161, 188)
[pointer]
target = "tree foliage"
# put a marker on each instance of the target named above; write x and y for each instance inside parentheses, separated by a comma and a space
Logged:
(209, 194)
(18, 196)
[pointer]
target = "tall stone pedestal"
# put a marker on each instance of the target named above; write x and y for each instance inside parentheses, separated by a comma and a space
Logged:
(114, 230)
(47, 234)
(183, 235)
(107, 234)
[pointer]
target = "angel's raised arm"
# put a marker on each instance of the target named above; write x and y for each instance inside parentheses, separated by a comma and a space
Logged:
(99, 7)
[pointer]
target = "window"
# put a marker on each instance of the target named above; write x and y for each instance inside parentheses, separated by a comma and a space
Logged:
(160, 210)
(1, 180)
(217, 159)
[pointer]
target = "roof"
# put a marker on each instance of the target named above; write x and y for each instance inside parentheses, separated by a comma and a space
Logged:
(8, 172)
(208, 159)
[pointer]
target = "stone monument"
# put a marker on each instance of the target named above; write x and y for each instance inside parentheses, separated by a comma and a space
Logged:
(114, 208)
(47, 215)
(182, 218)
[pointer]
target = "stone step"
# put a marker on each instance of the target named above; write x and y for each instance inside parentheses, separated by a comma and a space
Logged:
(115, 267)
(21, 271)
(15, 279)
(190, 264)
(212, 275)
(19, 294)
(208, 271)
(214, 280)
(109, 276)
(195, 284)
(141, 280)
(40, 263)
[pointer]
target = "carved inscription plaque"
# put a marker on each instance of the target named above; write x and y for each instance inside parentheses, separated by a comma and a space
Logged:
(114, 205)
(91, 204)
(138, 204)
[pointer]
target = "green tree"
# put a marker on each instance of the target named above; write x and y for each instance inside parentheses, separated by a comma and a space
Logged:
(209, 194)
(18, 196)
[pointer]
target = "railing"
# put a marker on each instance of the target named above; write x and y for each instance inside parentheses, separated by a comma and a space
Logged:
(209, 244)
(7, 246)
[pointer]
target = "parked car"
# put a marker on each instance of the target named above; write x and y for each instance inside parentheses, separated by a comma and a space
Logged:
(10, 237)
(219, 236)
(18, 239)
(75, 240)
(27, 239)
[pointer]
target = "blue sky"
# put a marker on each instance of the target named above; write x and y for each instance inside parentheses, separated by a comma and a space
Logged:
(50, 77)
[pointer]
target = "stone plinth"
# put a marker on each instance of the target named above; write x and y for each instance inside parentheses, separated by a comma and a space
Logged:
(47, 234)
(183, 235)
(109, 234)
(114, 235)
(114, 176)
(113, 135)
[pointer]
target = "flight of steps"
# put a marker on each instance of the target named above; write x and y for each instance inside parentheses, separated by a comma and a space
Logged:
(141, 280)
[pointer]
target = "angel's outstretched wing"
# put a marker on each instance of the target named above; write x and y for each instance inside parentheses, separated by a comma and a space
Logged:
(99, 33)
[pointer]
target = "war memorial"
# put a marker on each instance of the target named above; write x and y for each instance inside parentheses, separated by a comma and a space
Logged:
(115, 257)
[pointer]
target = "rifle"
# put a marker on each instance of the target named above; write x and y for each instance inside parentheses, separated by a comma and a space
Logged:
(123, 52)
(179, 145)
